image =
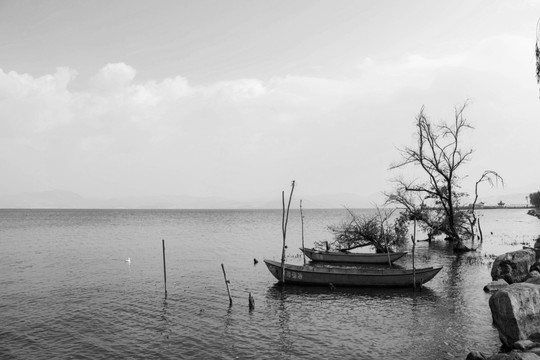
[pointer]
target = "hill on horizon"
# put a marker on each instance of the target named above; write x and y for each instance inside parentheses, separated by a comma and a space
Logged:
(61, 199)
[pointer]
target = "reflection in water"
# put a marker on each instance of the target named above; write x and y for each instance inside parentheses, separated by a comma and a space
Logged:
(228, 334)
(278, 294)
(286, 343)
(165, 328)
(349, 316)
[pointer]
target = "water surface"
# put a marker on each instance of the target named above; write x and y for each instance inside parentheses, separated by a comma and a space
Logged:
(67, 291)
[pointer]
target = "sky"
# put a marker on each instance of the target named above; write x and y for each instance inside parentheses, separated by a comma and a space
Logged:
(235, 99)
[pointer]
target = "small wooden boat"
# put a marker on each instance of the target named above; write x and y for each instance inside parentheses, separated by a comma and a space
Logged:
(351, 276)
(348, 257)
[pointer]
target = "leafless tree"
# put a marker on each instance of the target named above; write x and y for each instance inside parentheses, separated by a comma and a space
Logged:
(493, 178)
(439, 155)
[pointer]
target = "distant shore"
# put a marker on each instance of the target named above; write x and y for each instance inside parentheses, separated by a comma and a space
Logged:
(496, 207)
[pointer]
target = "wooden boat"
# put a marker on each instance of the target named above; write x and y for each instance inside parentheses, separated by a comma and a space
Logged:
(351, 276)
(347, 257)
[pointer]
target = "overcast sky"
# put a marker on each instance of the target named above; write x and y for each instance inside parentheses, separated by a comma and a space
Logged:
(237, 98)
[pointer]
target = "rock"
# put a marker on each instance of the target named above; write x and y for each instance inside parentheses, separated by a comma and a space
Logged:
(524, 344)
(476, 355)
(535, 267)
(513, 266)
(537, 248)
(516, 312)
(495, 286)
(515, 356)
(533, 277)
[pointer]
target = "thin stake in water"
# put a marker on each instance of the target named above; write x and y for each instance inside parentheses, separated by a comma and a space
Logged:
(302, 218)
(413, 238)
(284, 221)
(226, 284)
(164, 268)
(251, 302)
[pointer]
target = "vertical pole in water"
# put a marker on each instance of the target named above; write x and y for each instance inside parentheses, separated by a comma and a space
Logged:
(227, 284)
(284, 233)
(302, 217)
(164, 268)
(413, 238)
(284, 221)
(251, 302)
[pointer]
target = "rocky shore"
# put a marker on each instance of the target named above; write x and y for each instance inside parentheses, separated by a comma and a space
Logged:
(515, 305)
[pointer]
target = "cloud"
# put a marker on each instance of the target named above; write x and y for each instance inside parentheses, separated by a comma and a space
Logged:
(502, 55)
(236, 90)
(113, 77)
(123, 136)
(14, 85)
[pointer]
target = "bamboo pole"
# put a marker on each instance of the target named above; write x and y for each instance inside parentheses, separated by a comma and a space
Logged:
(284, 222)
(302, 218)
(164, 268)
(226, 284)
(413, 238)
(284, 234)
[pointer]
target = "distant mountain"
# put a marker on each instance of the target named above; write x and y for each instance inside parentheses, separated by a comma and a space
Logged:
(330, 201)
(60, 199)
(45, 199)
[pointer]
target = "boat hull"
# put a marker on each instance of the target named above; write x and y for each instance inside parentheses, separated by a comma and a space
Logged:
(356, 258)
(341, 276)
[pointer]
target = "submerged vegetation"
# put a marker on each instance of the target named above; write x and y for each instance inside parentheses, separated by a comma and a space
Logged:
(375, 230)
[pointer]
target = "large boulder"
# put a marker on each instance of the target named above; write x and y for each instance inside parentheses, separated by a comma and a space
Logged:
(513, 266)
(516, 313)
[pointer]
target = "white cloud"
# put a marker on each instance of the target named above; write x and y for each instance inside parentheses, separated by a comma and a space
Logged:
(502, 55)
(113, 77)
(14, 85)
(120, 136)
(244, 89)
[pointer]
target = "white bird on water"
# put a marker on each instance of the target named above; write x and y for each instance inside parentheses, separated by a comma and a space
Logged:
(128, 260)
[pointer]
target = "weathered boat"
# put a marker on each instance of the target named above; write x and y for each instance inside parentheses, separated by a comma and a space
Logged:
(348, 257)
(351, 276)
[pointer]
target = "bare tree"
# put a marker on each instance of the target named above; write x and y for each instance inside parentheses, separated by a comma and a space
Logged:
(537, 52)
(439, 155)
(493, 179)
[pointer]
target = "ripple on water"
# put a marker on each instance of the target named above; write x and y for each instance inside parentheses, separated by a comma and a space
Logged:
(68, 293)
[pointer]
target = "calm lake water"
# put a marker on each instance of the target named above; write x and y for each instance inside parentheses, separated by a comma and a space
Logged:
(67, 292)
